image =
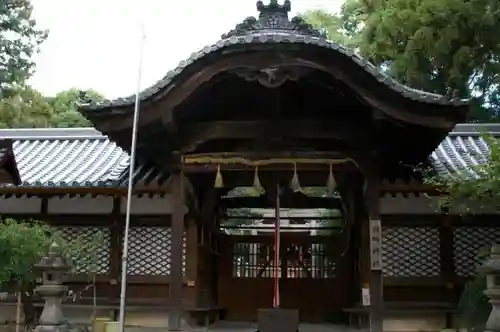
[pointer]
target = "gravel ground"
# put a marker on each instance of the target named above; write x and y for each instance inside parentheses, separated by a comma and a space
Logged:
(251, 327)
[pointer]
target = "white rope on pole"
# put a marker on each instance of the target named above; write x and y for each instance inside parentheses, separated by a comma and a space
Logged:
(123, 290)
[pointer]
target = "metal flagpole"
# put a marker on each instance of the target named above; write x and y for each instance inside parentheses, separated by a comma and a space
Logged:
(277, 227)
(130, 185)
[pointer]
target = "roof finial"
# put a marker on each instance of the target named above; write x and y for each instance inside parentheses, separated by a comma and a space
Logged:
(273, 18)
(274, 7)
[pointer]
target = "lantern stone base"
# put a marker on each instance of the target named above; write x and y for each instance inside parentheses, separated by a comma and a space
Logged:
(276, 319)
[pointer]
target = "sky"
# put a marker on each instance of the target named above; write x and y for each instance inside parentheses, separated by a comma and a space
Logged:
(96, 43)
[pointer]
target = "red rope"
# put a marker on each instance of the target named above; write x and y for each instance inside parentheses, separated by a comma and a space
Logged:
(277, 224)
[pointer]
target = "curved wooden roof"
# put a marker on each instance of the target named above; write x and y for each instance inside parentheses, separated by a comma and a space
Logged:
(273, 32)
(283, 61)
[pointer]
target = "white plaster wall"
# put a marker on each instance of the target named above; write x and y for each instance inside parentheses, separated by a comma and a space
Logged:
(146, 205)
(157, 205)
(143, 205)
(408, 205)
(80, 205)
(422, 204)
(15, 205)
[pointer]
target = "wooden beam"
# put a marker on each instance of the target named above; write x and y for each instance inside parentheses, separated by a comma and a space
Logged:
(51, 191)
(268, 161)
(246, 179)
(240, 168)
(270, 220)
(198, 133)
(298, 202)
(176, 249)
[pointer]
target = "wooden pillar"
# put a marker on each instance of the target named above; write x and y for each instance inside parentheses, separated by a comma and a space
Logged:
(116, 243)
(375, 238)
(352, 261)
(192, 260)
(176, 277)
(206, 226)
(447, 259)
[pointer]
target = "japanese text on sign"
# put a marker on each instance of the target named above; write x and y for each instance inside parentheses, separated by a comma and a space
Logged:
(375, 245)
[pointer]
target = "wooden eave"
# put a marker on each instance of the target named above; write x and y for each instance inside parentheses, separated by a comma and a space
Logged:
(392, 98)
(257, 48)
(18, 191)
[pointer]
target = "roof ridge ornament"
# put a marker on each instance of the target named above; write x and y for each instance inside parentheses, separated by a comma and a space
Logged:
(274, 18)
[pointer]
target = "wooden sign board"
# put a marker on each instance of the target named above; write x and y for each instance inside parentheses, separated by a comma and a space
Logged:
(365, 297)
(375, 245)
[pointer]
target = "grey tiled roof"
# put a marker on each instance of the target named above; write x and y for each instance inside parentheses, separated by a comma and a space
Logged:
(83, 157)
(463, 149)
(73, 158)
(278, 38)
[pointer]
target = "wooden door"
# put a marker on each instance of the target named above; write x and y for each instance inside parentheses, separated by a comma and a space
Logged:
(308, 276)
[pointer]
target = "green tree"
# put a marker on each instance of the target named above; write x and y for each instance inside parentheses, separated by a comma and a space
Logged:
(328, 23)
(27, 108)
(442, 46)
(468, 195)
(19, 40)
(22, 245)
(344, 28)
(65, 108)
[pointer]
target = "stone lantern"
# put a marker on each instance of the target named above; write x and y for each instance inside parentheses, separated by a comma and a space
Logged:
(491, 269)
(53, 267)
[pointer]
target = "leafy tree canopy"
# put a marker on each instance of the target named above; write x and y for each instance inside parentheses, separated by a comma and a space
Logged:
(22, 245)
(27, 108)
(19, 40)
(20, 105)
(442, 46)
(471, 190)
(65, 108)
(447, 47)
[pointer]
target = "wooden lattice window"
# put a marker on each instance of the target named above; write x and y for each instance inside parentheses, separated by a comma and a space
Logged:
(256, 260)
(99, 260)
(150, 251)
(411, 252)
(467, 243)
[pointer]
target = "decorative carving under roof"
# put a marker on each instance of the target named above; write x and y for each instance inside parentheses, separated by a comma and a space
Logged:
(270, 77)
(273, 18)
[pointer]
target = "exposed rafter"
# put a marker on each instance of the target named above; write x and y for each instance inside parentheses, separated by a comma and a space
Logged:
(198, 133)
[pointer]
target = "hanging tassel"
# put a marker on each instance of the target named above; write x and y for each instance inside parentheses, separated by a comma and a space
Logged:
(257, 186)
(330, 183)
(295, 183)
(218, 179)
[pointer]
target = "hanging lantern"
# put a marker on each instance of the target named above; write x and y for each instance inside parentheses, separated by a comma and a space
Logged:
(295, 183)
(218, 179)
(257, 186)
(331, 184)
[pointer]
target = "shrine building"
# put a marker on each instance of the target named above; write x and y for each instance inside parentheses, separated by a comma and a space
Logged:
(272, 112)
